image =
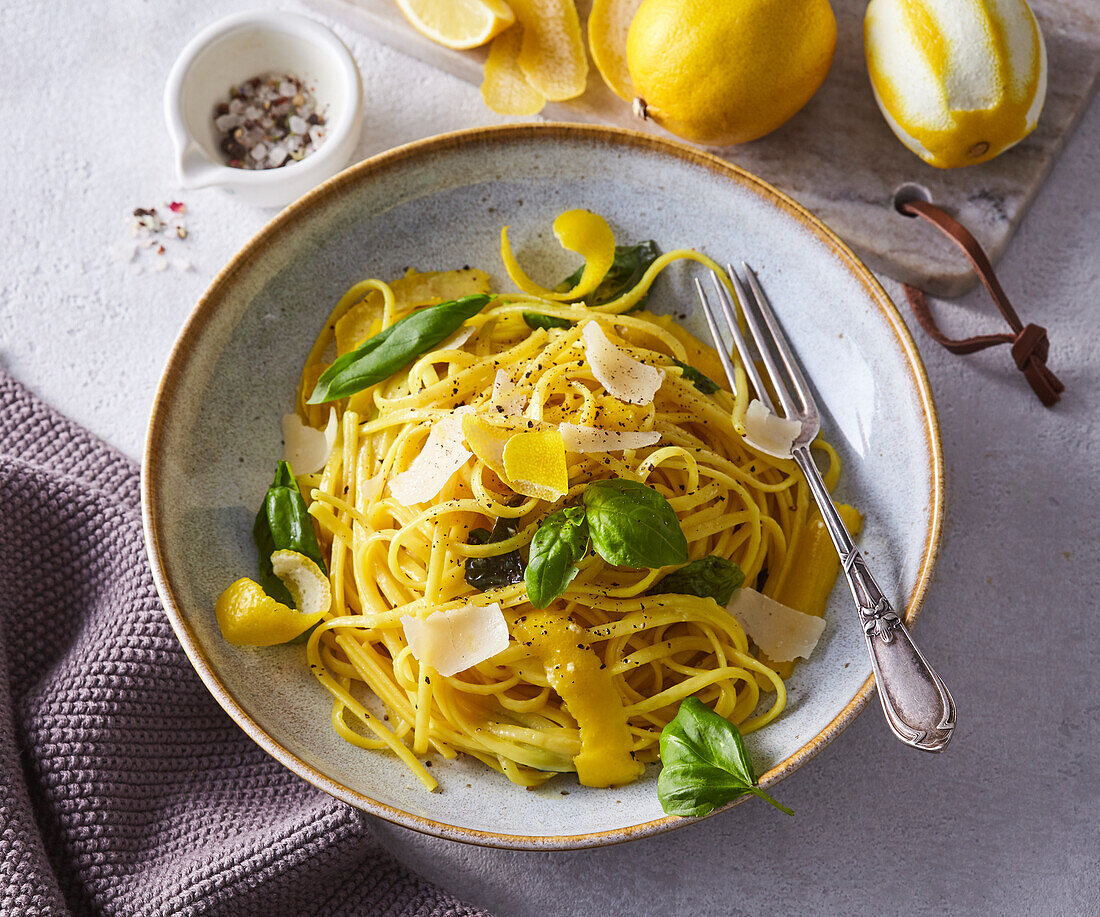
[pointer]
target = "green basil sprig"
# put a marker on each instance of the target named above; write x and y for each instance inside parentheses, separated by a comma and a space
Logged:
(537, 320)
(704, 383)
(712, 576)
(283, 523)
(627, 523)
(501, 570)
(704, 763)
(632, 525)
(379, 357)
(631, 262)
(561, 541)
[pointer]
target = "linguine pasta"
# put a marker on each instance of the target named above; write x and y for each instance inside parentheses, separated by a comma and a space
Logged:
(632, 653)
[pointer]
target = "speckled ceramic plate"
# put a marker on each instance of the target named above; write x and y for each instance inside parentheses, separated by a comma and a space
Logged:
(214, 434)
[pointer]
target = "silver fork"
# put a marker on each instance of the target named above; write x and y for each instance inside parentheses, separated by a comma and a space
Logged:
(918, 707)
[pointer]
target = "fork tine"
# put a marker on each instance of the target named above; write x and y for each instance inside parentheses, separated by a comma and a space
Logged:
(712, 322)
(760, 338)
(739, 338)
(783, 348)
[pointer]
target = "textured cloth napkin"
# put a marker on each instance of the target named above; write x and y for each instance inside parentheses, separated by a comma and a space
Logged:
(124, 788)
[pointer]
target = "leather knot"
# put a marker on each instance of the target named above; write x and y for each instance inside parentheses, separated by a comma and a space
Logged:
(1029, 350)
(1031, 343)
(1030, 346)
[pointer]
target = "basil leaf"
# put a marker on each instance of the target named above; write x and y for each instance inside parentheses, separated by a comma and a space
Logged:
(632, 525)
(704, 763)
(704, 383)
(713, 577)
(379, 357)
(283, 523)
(539, 320)
(631, 262)
(500, 570)
(559, 543)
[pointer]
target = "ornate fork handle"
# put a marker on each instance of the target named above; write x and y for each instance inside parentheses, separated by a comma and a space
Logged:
(917, 704)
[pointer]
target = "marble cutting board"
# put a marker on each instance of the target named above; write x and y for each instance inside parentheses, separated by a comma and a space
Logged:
(837, 156)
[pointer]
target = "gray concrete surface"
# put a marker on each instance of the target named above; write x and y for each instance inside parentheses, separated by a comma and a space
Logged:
(1006, 822)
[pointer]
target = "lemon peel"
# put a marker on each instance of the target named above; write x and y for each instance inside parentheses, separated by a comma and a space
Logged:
(505, 88)
(459, 24)
(487, 442)
(552, 52)
(248, 616)
(608, 25)
(581, 231)
(958, 82)
(535, 465)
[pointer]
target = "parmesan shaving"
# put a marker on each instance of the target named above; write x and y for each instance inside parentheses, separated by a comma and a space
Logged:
(443, 454)
(624, 377)
(507, 395)
(592, 439)
(306, 448)
(768, 432)
(781, 632)
(451, 641)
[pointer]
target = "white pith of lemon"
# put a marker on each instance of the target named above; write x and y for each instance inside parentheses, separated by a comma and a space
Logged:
(958, 81)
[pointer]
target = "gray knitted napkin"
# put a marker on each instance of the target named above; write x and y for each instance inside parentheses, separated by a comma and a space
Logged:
(124, 788)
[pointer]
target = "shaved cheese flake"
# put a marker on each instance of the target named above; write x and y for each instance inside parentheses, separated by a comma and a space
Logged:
(624, 377)
(781, 632)
(452, 641)
(443, 454)
(768, 432)
(306, 448)
(507, 394)
(593, 439)
(457, 339)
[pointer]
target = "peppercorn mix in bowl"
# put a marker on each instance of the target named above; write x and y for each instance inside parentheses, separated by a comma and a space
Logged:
(264, 105)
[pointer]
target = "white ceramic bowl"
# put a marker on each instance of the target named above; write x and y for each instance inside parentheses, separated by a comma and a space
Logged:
(214, 435)
(236, 49)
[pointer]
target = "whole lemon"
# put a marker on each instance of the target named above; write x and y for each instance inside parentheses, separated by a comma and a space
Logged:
(959, 82)
(720, 72)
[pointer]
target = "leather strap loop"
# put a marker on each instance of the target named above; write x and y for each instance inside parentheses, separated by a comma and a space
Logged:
(1029, 342)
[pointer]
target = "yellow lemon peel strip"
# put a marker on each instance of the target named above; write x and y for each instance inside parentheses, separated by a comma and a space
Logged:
(579, 231)
(487, 442)
(552, 55)
(577, 674)
(608, 24)
(504, 88)
(248, 616)
(535, 465)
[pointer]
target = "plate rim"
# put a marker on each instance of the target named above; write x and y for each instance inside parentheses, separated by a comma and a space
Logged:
(208, 303)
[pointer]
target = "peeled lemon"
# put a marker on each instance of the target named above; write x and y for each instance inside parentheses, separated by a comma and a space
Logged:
(721, 72)
(958, 81)
(458, 24)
